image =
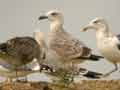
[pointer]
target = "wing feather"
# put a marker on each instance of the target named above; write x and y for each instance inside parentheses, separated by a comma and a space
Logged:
(67, 46)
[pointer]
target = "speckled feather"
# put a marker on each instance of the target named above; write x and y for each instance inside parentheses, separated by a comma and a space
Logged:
(20, 50)
(67, 46)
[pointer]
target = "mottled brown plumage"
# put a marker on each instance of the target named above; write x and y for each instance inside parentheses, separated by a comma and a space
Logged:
(19, 51)
(66, 46)
(63, 43)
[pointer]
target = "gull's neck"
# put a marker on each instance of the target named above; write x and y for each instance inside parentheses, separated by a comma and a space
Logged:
(40, 40)
(56, 26)
(103, 33)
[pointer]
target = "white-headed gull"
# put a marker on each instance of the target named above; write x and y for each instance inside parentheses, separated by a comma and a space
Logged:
(68, 48)
(107, 42)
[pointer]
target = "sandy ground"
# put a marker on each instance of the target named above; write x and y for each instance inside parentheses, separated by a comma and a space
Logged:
(83, 85)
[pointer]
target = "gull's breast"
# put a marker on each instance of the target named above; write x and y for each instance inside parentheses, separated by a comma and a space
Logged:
(109, 50)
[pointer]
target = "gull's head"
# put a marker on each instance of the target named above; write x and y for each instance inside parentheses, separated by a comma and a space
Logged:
(53, 15)
(98, 23)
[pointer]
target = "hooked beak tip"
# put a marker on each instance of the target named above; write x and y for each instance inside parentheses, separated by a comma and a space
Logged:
(86, 28)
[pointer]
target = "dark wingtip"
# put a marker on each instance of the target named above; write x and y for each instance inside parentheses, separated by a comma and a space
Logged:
(90, 74)
(93, 75)
(95, 57)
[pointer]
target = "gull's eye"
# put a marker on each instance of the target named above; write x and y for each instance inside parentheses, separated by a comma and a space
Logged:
(54, 14)
(96, 21)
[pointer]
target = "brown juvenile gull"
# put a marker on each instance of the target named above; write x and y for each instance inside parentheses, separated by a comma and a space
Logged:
(18, 55)
(20, 51)
(57, 72)
(54, 62)
(68, 48)
(107, 42)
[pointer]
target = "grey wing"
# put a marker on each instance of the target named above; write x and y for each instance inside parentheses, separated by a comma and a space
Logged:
(70, 49)
(118, 44)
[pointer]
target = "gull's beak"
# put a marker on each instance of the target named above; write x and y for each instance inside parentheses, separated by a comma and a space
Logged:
(43, 17)
(86, 28)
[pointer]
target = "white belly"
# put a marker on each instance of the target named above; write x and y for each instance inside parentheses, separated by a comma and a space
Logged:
(110, 51)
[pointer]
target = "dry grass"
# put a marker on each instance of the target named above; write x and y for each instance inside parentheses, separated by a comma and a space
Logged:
(85, 85)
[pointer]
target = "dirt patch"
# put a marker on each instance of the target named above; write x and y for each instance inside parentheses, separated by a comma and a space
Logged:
(83, 85)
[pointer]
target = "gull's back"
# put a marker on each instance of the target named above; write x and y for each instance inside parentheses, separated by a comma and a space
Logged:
(65, 45)
(21, 50)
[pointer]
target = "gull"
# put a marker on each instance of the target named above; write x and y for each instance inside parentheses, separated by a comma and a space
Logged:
(19, 51)
(54, 62)
(107, 42)
(20, 56)
(68, 48)
(57, 73)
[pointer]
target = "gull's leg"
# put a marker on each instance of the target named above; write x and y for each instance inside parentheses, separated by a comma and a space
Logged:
(26, 78)
(115, 69)
(13, 84)
(16, 74)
